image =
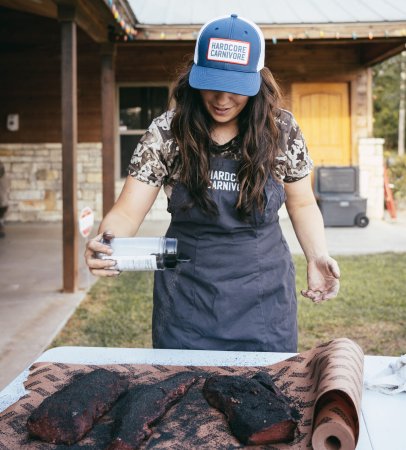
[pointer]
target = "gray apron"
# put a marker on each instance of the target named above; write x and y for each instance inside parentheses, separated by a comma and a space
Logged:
(238, 291)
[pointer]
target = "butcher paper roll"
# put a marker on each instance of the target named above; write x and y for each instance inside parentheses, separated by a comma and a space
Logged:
(335, 423)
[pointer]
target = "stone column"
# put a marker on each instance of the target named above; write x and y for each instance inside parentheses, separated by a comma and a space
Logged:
(370, 157)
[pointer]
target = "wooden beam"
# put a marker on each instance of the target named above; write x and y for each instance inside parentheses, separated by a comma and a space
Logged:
(108, 101)
(66, 15)
(45, 8)
(376, 54)
(93, 16)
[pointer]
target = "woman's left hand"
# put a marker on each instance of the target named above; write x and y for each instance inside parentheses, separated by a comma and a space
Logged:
(323, 276)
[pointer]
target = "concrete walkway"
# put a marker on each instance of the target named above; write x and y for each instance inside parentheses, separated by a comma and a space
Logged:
(33, 309)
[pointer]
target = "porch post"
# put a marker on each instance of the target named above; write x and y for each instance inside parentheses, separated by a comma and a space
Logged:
(66, 15)
(108, 102)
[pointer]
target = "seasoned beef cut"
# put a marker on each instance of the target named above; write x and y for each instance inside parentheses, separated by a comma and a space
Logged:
(145, 405)
(255, 413)
(266, 380)
(67, 415)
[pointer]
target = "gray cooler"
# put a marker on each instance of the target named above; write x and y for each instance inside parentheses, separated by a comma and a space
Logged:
(337, 194)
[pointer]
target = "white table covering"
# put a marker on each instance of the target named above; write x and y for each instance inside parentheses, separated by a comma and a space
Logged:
(383, 421)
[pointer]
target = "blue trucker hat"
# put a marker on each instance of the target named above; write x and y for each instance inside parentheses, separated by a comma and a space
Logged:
(229, 54)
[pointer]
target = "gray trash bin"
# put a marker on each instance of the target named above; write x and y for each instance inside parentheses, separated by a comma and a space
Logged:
(337, 194)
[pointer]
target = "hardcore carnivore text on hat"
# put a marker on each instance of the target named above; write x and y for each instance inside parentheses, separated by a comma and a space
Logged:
(229, 54)
(227, 50)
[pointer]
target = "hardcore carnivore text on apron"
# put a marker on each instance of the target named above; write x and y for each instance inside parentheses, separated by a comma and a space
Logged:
(223, 181)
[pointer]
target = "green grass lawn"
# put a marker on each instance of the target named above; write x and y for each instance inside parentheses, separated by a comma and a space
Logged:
(370, 309)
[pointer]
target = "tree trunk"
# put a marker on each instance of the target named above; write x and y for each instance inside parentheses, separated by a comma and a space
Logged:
(402, 106)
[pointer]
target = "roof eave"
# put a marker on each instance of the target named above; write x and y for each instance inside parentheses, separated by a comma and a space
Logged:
(314, 31)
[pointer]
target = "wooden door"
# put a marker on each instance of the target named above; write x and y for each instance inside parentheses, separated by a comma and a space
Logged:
(323, 113)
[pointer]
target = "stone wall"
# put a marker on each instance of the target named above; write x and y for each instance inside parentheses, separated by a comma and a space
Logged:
(361, 110)
(362, 106)
(35, 174)
(35, 178)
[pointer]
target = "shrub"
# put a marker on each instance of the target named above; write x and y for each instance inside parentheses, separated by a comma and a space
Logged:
(397, 176)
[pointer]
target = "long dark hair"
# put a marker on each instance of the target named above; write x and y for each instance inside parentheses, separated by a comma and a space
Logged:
(191, 126)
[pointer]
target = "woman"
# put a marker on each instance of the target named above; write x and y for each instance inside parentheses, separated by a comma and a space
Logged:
(228, 158)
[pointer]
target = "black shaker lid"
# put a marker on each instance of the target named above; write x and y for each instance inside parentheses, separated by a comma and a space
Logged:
(170, 252)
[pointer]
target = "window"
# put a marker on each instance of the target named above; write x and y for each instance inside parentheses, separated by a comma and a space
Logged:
(138, 107)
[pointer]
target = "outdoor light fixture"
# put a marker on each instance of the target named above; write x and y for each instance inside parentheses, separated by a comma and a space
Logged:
(13, 122)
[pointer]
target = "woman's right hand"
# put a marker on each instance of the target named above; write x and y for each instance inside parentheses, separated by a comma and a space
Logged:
(100, 267)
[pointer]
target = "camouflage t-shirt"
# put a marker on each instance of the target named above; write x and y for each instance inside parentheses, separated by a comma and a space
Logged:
(156, 161)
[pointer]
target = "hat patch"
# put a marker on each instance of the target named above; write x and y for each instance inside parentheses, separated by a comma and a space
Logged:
(228, 51)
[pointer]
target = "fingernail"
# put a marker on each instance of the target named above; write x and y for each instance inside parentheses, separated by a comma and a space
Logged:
(107, 236)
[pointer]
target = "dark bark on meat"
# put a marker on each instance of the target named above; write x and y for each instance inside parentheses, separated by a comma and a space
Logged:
(267, 381)
(67, 415)
(144, 406)
(256, 414)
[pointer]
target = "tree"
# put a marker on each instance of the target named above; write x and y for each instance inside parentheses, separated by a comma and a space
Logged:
(386, 95)
(402, 105)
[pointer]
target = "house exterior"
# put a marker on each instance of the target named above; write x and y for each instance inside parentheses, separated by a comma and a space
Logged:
(80, 81)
